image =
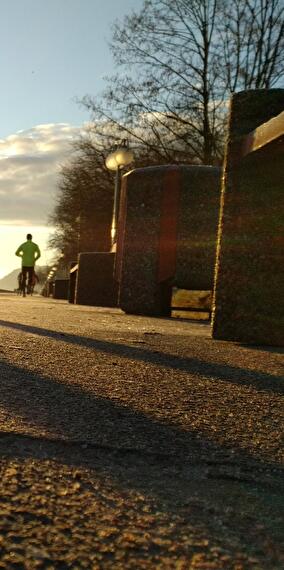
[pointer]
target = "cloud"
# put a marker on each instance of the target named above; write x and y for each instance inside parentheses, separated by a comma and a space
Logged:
(29, 165)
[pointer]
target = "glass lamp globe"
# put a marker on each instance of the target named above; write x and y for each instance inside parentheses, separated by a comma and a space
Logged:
(111, 163)
(120, 157)
(123, 156)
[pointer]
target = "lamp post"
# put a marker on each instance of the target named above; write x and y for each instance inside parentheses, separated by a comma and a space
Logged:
(120, 157)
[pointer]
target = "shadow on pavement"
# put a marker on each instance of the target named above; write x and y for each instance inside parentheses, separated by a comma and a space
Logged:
(47, 407)
(231, 374)
(220, 494)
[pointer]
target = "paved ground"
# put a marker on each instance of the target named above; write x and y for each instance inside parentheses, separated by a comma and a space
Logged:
(128, 442)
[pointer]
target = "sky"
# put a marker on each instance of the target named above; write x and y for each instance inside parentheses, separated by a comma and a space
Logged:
(52, 53)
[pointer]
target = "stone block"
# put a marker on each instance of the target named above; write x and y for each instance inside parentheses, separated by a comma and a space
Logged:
(197, 227)
(95, 284)
(248, 303)
(61, 289)
(166, 235)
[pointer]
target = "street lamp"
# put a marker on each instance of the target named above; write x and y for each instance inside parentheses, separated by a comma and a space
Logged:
(120, 157)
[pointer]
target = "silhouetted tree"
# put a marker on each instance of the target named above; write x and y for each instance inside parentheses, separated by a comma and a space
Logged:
(82, 214)
(179, 60)
(83, 211)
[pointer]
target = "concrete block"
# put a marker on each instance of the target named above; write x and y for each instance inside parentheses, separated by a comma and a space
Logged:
(166, 235)
(248, 303)
(95, 284)
(197, 227)
(61, 289)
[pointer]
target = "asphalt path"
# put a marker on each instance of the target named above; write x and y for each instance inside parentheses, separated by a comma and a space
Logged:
(131, 442)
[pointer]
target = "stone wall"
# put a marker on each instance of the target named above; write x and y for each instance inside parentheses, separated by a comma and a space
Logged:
(95, 283)
(248, 301)
(167, 235)
(61, 289)
(197, 227)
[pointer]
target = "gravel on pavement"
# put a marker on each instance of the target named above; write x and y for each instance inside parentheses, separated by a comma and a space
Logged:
(131, 442)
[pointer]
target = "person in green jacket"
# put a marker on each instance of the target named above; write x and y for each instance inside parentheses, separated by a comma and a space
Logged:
(30, 253)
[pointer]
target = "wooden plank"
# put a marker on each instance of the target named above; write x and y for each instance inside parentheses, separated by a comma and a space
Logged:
(73, 269)
(264, 135)
(191, 309)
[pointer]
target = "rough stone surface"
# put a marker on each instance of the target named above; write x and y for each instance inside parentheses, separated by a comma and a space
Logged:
(138, 247)
(128, 442)
(197, 227)
(249, 289)
(95, 284)
(141, 246)
(61, 288)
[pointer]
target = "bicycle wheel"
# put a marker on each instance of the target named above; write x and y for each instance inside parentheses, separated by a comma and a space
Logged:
(23, 289)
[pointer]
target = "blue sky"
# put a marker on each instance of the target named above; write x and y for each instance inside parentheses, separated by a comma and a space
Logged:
(52, 52)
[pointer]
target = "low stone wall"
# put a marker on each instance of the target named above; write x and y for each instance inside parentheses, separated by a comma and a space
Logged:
(61, 289)
(197, 227)
(167, 235)
(95, 283)
(248, 301)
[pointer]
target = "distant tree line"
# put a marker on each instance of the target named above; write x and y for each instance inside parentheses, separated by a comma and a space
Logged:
(83, 209)
(178, 62)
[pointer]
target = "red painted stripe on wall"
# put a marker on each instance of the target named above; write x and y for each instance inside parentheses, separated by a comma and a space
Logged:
(168, 225)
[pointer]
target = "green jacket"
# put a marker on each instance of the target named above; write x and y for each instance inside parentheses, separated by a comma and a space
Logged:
(29, 252)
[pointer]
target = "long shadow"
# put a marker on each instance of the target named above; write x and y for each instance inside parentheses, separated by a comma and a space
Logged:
(57, 410)
(140, 453)
(232, 374)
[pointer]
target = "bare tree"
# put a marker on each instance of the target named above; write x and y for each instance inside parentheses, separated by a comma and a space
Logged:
(82, 214)
(253, 42)
(179, 60)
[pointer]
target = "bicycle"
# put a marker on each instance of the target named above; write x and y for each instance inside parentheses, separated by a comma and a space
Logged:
(25, 288)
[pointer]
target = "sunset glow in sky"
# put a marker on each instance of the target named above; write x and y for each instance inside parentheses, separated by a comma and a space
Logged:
(29, 165)
(51, 54)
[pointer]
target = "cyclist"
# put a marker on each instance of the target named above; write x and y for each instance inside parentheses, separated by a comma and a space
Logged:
(30, 253)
